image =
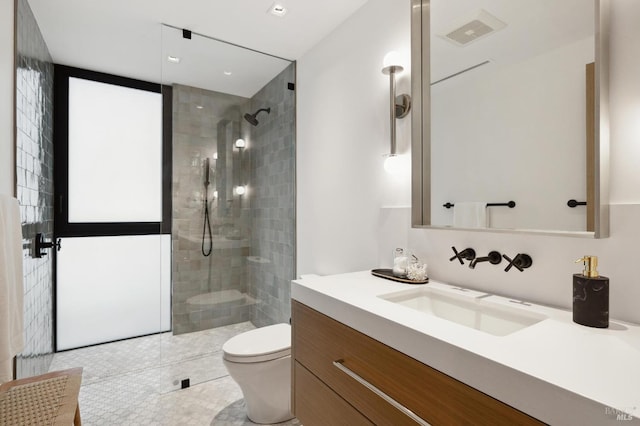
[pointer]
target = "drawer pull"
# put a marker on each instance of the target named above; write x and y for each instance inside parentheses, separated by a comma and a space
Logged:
(339, 364)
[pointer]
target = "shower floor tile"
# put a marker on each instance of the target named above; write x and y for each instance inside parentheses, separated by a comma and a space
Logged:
(138, 381)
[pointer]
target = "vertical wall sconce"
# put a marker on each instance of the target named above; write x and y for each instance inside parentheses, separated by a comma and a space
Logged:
(240, 143)
(399, 105)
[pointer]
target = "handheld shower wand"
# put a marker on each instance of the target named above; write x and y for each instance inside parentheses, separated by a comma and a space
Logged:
(206, 172)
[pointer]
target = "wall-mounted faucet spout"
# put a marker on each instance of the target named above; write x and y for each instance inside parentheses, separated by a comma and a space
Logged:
(494, 258)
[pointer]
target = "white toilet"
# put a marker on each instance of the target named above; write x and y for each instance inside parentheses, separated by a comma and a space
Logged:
(260, 362)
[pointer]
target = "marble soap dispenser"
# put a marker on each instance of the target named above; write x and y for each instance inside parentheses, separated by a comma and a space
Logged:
(590, 295)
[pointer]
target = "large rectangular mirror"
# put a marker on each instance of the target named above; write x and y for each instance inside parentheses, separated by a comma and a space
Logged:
(510, 122)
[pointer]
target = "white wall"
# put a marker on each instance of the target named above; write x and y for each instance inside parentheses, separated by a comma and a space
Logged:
(341, 188)
(625, 101)
(539, 103)
(7, 163)
(342, 133)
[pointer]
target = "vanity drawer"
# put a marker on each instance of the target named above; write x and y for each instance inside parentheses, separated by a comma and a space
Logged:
(316, 404)
(319, 341)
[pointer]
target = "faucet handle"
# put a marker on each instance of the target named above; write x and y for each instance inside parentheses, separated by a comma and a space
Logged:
(521, 262)
(468, 254)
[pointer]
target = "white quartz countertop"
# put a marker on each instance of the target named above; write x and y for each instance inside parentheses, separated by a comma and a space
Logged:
(555, 370)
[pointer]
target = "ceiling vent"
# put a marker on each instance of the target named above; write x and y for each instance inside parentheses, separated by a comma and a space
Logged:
(483, 25)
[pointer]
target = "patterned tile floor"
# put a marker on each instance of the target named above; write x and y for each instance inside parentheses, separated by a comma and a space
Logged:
(137, 381)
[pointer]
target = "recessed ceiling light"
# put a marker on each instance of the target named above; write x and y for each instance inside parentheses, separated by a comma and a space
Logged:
(277, 9)
(199, 106)
(173, 59)
(227, 73)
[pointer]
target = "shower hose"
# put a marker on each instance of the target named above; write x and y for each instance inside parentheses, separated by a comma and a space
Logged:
(206, 226)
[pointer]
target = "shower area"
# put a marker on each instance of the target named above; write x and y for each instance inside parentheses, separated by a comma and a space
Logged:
(233, 183)
(166, 199)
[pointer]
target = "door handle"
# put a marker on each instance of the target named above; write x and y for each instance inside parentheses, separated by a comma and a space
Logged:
(40, 245)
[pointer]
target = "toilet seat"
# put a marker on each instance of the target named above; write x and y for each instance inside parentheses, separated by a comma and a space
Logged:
(259, 345)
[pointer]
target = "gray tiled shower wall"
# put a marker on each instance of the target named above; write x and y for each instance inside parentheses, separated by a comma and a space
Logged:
(272, 263)
(34, 167)
(198, 133)
(253, 235)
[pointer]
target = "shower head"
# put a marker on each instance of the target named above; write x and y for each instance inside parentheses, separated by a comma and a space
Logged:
(251, 118)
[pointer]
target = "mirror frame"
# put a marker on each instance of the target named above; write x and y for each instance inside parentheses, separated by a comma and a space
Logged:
(421, 127)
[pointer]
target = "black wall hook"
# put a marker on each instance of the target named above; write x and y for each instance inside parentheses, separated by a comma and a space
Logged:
(573, 203)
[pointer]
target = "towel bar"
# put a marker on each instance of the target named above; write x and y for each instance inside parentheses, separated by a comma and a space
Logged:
(510, 204)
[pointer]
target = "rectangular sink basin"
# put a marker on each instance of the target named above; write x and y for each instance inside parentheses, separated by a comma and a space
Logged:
(469, 311)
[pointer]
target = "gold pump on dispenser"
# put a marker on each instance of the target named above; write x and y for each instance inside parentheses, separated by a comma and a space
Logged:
(590, 295)
(590, 266)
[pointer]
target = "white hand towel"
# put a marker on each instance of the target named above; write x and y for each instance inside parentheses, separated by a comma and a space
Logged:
(470, 215)
(11, 286)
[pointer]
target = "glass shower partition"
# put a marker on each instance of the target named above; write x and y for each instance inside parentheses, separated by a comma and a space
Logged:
(232, 224)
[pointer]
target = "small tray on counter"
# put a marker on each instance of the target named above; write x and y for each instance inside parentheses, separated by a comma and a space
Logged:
(388, 274)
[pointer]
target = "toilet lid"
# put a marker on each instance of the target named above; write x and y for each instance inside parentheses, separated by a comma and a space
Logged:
(261, 344)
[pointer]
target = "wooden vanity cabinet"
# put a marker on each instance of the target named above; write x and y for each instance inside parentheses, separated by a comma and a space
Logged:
(321, 388)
